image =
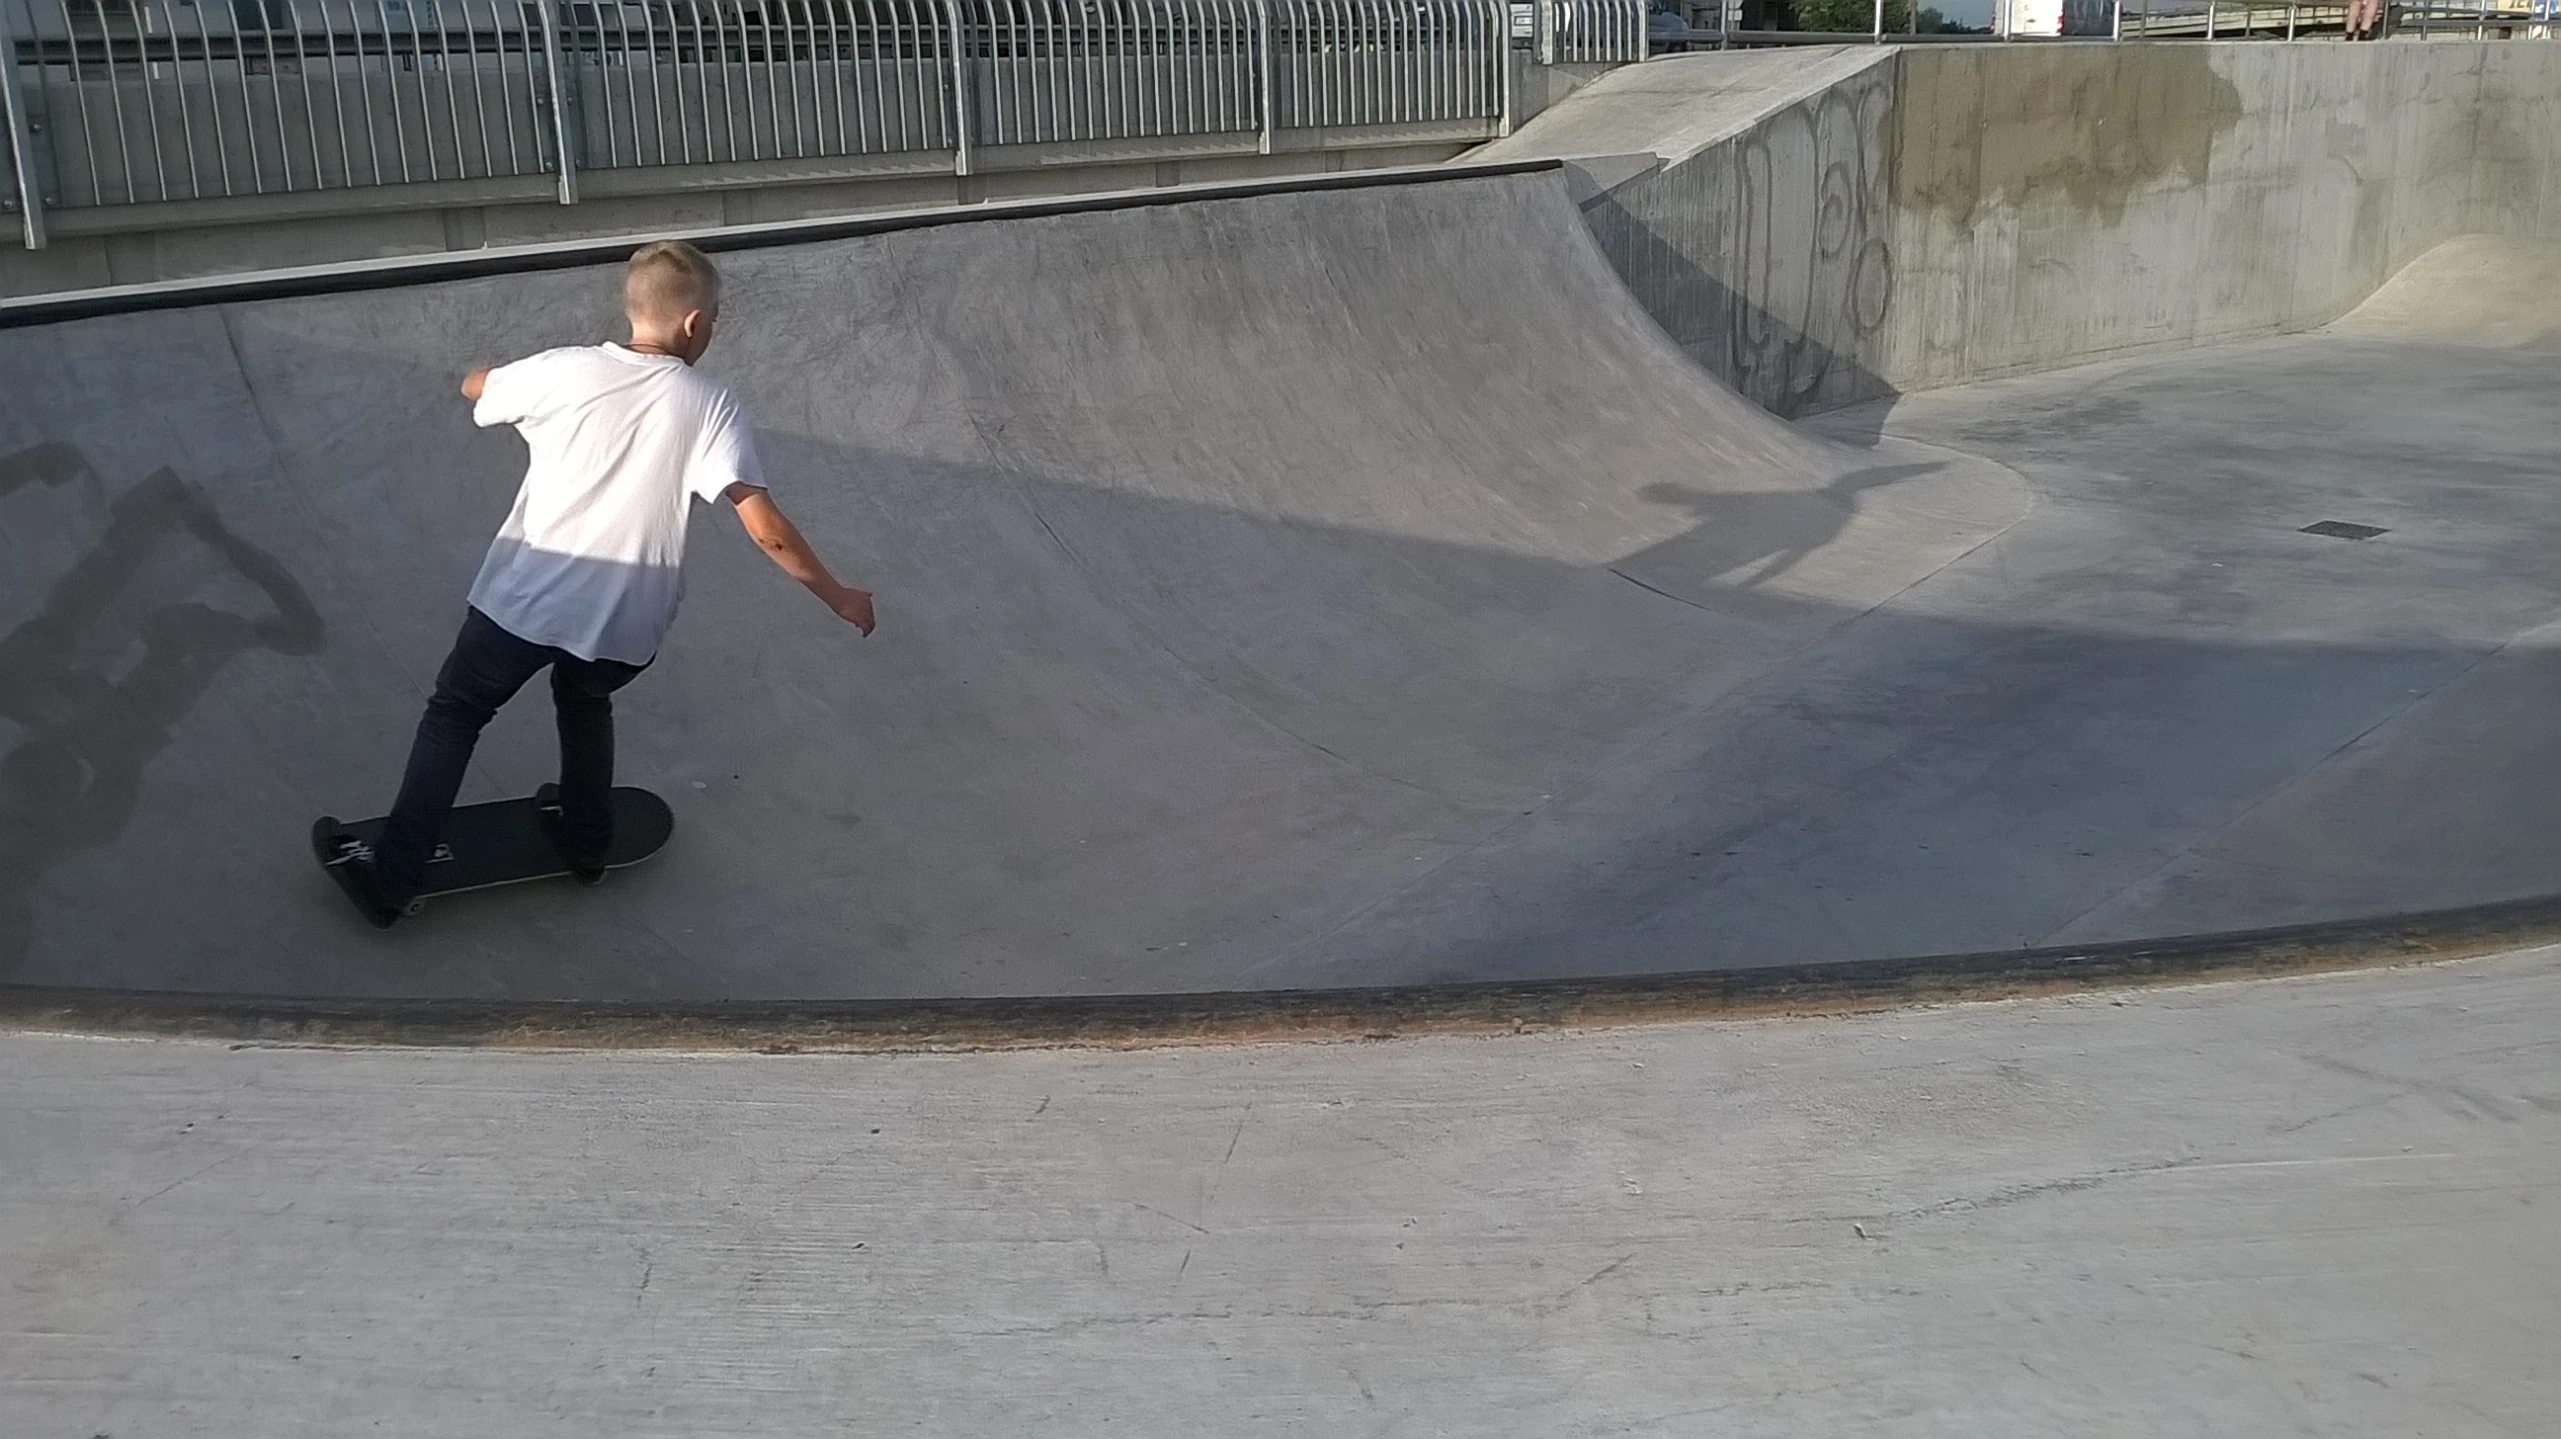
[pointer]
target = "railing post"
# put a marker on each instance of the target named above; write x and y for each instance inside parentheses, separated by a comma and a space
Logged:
(1263, 74)
(1876, 31)
(22, 155)
(1501, 13)
(562, 129)
(1542, 28)
(960, 92)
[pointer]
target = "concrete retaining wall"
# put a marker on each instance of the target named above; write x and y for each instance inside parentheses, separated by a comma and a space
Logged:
(1938, 215)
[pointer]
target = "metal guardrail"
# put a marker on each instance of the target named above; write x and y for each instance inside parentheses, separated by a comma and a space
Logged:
(147, 102)
(2172, 20)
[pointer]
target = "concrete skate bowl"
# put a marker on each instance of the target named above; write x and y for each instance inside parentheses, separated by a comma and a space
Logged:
(1323, 609)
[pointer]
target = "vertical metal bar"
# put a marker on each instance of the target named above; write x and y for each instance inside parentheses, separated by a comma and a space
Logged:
(961, 118)
(178, 76)
(213, 92)
(453, 106)
(1266, 119)
(22, 159)
(80, 94)
(573, 54)
(773, 92)
(529, 134)
(275, 90)
(479, 94)
(1876, 32)
(608, 49)
(1016, 101)
(676, 80)
(1004, 66)
(1183, 65)
(560, 128)
(657, 89)
(747, 86)
(821, 82)
(778, 74)
(1498, 14)
(150, 105)
(364, 95)
(934, 30)
(804, 30)
(835, 78)
(213, 104)
(1146, 57)
(426, 105)
(338, 98)
(1148, 53)
(1053, 91)
(907, 29)
(391, 91)
(893, 53)
(310, 110)
(728, 103)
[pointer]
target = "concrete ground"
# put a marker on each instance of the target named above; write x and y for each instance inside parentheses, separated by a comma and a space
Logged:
(2319, 1206)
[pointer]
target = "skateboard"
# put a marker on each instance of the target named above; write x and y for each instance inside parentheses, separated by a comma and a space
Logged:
(487, 845)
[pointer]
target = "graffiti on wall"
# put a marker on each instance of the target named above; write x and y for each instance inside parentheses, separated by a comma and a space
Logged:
(1768, 257)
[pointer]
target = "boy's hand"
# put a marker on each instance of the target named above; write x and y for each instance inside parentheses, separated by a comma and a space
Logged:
(853, 606)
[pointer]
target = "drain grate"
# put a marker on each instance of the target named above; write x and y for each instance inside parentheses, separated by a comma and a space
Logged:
(2345, 530)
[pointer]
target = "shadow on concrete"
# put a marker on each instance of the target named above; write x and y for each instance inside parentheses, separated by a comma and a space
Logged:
(111, 664)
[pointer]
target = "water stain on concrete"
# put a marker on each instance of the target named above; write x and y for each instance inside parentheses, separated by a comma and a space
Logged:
(2093, 126)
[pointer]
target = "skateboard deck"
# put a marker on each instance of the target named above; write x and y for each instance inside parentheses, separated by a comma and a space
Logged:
(502, 842)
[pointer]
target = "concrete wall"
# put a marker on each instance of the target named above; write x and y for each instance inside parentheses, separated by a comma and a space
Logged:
(1943, 214)
(179, 243)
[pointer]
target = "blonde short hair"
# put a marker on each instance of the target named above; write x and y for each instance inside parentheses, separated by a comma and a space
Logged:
(666, 280)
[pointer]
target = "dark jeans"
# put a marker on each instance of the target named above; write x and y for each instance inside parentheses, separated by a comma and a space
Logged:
(488, 665)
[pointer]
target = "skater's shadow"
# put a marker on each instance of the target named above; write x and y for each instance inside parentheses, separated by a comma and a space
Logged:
(1744, 540)
(95, 710)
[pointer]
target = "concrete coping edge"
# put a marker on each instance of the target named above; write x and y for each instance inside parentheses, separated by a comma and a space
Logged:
(1261, 1016)
(396, 271)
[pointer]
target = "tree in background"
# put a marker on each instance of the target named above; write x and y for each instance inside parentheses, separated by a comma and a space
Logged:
(1852, 15)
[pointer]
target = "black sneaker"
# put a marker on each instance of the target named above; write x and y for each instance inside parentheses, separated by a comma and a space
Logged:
(555, 826)
(351, 861)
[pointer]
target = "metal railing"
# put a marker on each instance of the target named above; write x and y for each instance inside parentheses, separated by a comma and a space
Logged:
(148, 102)
(1582, 32)
(2160, 20)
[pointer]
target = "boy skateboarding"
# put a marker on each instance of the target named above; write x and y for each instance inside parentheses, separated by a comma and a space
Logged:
(586, 573)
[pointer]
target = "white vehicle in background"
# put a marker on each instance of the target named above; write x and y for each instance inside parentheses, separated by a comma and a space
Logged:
(2053, 17)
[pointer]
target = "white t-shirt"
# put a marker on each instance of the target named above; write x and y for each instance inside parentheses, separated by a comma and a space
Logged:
(592, 558)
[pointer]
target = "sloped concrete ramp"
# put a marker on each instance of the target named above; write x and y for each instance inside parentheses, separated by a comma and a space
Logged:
(1337, 586)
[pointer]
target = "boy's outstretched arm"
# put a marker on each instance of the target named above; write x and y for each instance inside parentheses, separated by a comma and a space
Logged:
(775, 534)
